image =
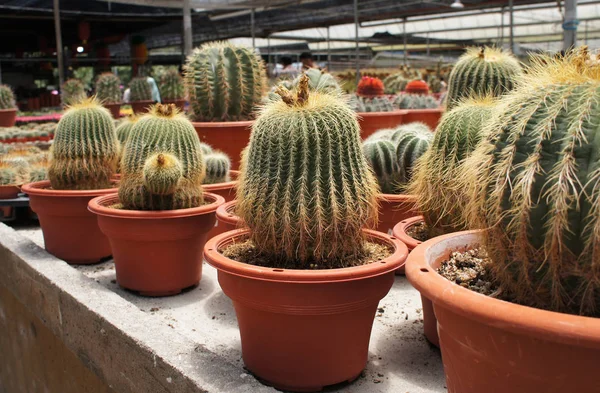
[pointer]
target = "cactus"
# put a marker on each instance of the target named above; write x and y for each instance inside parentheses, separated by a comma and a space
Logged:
(304, 202)
(206, 148)
(8, 174)
(320, 80)
(72, 92)
(410, 146)
(480, 72)
(224, 82)
(7, 98)
(171, 85)
(417, 87)
(381, 156)
(20, 166)
(415, 101)
(140, 90)
(108, 88)
(370, 87)
(375, 104)
(356, 104)
(400, 130)
(123, 130)
(536, 173)
(394, 83)
(162, 165)
(435, 174)
(217, 168)
(384, 133)
(435, 84)
(85, 149)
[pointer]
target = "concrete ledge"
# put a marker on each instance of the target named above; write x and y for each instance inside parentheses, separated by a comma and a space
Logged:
(190, 342)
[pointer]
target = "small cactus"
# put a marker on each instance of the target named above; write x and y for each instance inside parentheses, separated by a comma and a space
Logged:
(374, 104)
(381, 156)
(394, 83)
(417, 87)
(162, 166)
(415, 101)
(72, 92)
(21, 167)
(108, 88)
(140, 90)
(8, 174)
(370, 87)
(320, 80)
(123, 130)
(206, 148)
(410, 146)
(217, 168)
(7, 98)
(416, 126)
(171, 85)
(85, 149)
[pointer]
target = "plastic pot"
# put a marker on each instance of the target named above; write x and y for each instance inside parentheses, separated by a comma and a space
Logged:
(140, 107)
(431, 117)
(8, 117)
(9, 192)
(302, 330)
(226, 217)
(372, 121)
(229, 137)
(115, 109)
(227, 191)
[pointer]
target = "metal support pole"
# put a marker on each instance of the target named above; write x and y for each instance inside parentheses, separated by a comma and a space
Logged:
(252, 26)
(404, 37)
(328, 51)
(356, 24)
(187, 28)
(570, 25)
(427, 44)
(512, 25)
(59, 45)
(502, 29)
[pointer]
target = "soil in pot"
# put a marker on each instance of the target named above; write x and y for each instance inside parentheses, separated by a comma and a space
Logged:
(469, 269)
(418, 231)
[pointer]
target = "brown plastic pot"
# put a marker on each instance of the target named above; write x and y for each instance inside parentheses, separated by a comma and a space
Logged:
(431, 117)
(70, 231)
(8, 117)
(115, 109)
(156, 253)
(140, 107)
(227, 191)
(229, 137)
(226, 217)
(178, 103)
(372, 121)
(493, 346)
(302, 330)
(9, 192)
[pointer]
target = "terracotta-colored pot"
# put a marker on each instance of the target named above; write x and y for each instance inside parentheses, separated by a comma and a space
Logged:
(9, 192)
(302, 330)
(229, 137)
(157, 253)
(400, 228)
(431, 117)
(493, 346)
(141, 106)
(178, 103)
(8, 117)
(226, 217)
(70, 231)
(372, 121)
(115, 109)
(227, 191)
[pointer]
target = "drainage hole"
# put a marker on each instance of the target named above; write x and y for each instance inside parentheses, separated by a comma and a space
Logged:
(424, 270)
(278, 270)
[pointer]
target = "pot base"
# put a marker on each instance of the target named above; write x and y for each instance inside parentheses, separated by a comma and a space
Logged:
(304, 389)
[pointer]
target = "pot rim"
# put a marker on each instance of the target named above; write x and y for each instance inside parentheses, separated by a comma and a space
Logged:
(223, 124)
(8, 110)
(536, 323)
(400, 228)
(395, 112)
(216, 259)
(397, 198)
(97, 206)
(42, 188)
(140, 102)
(224, 185)
(224, 214)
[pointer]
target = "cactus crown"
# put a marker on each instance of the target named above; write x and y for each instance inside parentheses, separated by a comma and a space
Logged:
(417, 87)
(538, 195)
(171, 85)
(320, 80)
(108, 88)
(140, 90)
(7, 98)
(370, 87)
(372, 104)
(217, 168)
(224, 82)
(305, 202)
(125, 127)
(410, 146)
(85, 149)
(480, 72)
(72, 92)
(162, 166)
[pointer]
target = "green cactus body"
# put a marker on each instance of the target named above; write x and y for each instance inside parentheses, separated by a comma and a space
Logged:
(306, 190)
(356, 104)
(320, 80)
(395, 83)
(38, 173)
(375, 104)
(171, 85)
(217, 168)
(108, 88)
(85, 149)
(224, 82)
(21, 167)
(205, 148)
(415, 101)
(7, 98)
(140, 90)
(410, 146)
(536, 175)
(381, 155)
(416, 126)
(72, 92)
(8, 175)
(123, 130)
(162, 165)
(480, 72)
(384, 133)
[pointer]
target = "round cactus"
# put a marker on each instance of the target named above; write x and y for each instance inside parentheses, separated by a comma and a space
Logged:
(85, 149)
(415, 101)
(417, 87)
(8, 174)
(304, 202)
(21, 167)
(320, 80)
(123, 130)
(375, 104)
(108, 88)
(370, 87)
(171, 85)
(162, 165)
(410, 146)
(416, 126)
(381, 156)
(224, 82)
(480, 72)
(394, 83)
(206, 148)
(140, 90)
(7, 98)
(72, 92)
(217, 168)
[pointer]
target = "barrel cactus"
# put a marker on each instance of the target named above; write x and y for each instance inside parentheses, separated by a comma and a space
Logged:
(394, 83)
(123, 130)
(8, 174)
(416, 126)
(417, 86)
(224, 82)
(370, 87)
(171, 85)
(85, 149)
(375, 104)
(480, 72)
(536, 190)
(108, 88)
(162, 166)
(304, 202)
(140, 90)
(415, 101)
(72, 92)
(410, 146)
(217, 168)
(205, 148)
(7, 98)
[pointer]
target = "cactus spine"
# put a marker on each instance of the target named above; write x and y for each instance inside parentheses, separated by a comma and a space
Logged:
(374, 104)
(410, 146)
(394, 83)
(171, 85)
(108, 88)
(480, 72)
(162, 165)
(304, 202)
(415, 101)
(320, 80)
(85, 148)
(8, 174)
(7, 98)
(381, 156)
(217, 168)
(140, 90)
(123, 130)
(72, 92)
(224, 82)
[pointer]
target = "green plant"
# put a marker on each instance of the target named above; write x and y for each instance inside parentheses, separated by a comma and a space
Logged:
(162, 165)
(416, 126)
(206, 148)
(435, 175)
(108, 88)
(85, 149)
(72, 92)
(123, 130)
(480, 72)
(224, 82)
(535, 186)
(410, 146)
(7, 98)
(8, 174)
(171, 85)
(381, 156)
(20, 165)
(395, 83)
(295, 192)
(320, 80)
(373, 104)
(415, 101)
(140, 90)
(217, 168)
